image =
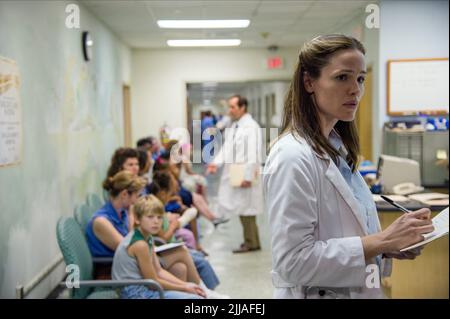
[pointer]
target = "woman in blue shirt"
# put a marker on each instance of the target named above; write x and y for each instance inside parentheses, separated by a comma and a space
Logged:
(110, 223)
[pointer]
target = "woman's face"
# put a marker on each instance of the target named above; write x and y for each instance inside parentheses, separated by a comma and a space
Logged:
(340, 86)
(131, 165)
(129, 199)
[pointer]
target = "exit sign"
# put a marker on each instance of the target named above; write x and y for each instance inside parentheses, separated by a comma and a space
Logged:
(275, 62)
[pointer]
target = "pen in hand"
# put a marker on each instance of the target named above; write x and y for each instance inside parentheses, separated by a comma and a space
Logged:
(390, 201)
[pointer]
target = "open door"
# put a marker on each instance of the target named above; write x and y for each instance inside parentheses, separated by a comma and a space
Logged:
(127, 116)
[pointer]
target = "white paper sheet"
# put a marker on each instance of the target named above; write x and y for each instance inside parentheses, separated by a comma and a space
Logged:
(440, 223)
(167, 247)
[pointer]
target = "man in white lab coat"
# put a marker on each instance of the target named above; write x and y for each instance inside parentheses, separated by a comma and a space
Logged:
(240, 189)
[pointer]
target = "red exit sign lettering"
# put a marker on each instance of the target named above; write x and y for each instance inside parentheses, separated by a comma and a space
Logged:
(275, 62)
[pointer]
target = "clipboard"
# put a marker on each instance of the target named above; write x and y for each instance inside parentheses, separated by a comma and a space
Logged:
(237, 174)
(440, 223)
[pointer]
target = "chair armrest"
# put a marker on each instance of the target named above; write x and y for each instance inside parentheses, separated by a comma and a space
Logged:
(120, 283)
(102, 260)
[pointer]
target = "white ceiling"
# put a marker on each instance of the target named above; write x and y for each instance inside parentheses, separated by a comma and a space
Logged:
(281, 23)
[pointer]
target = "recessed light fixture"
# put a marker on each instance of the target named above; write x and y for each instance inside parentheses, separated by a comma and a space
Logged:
(203, 24)
(209, 84)
(204, 43)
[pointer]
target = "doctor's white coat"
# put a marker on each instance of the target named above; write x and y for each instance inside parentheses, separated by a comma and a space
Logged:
(242, 145)
(315, 227)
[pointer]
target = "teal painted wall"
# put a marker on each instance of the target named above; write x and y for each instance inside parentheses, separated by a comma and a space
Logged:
(72, 122)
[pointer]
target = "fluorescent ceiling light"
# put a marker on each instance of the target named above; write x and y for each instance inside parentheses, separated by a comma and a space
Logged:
(204, 43)
(209, 84)
(203, 24)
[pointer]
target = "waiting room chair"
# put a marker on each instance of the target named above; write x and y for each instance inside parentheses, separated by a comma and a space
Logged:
(75, 251)
(83, 214)
(94, 202)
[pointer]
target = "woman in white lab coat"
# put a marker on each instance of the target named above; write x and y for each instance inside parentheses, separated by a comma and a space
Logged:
(325, 233)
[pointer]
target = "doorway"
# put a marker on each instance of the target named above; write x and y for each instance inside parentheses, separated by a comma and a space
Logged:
(127, 116)
(364, 118)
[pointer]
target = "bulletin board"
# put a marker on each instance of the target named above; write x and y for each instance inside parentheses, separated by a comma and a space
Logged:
(418, 86)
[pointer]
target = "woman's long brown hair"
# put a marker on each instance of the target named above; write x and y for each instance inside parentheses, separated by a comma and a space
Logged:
(300, 114)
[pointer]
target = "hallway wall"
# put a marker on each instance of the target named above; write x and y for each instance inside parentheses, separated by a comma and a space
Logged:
(160, 78)
(72, 122)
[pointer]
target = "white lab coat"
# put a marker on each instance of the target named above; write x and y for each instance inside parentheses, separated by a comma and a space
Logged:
(238, 200)
(315, 227)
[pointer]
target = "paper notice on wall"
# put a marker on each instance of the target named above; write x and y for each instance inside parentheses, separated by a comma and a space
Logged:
(10, 113)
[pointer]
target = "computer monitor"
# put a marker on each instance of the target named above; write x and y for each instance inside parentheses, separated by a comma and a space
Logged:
(394, 170)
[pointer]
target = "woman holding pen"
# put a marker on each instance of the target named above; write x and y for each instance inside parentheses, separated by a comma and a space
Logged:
(324, 224)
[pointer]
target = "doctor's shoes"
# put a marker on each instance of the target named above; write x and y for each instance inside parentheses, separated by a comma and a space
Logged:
(244, 249)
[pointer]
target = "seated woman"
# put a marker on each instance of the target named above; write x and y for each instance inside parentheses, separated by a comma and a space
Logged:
(198, 200)
(189, 198)
(124, 158)
(176, 202)
(135, 258)
(193, 182)
(110, 223)
(145, 164)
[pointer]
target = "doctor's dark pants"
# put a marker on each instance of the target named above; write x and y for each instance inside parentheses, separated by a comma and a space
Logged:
(251, 236)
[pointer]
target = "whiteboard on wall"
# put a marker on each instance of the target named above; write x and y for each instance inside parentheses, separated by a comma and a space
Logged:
(418, 86)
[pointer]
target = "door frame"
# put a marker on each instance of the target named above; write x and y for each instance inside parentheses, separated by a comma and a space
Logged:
(126, 107)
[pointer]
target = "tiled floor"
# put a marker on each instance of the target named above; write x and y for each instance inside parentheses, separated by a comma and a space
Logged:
(244, 275)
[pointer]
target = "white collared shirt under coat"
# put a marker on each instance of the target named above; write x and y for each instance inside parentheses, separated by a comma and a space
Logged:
(315, 226)
(238, 200)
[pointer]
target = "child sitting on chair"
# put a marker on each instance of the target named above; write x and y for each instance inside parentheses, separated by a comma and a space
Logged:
(135, 258)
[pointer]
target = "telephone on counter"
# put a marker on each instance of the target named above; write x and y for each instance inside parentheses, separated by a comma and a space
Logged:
(406, 189)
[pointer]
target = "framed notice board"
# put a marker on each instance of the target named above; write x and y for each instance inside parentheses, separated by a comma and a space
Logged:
(418, 86)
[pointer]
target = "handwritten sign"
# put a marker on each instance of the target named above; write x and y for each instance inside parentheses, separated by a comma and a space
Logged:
(10, 113)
